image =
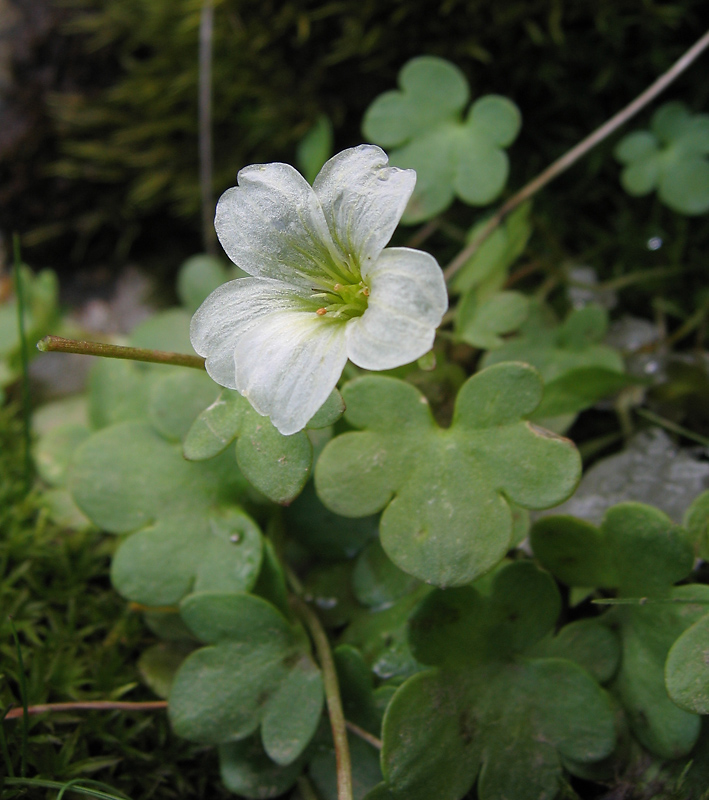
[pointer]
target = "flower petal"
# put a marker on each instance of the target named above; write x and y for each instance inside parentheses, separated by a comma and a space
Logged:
(259, 338)
(231, 311)
(407, 301)
(288, 366)
(363, 200)
(272, 225)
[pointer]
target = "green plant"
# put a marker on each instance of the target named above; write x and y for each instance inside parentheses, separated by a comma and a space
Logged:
(441, 636)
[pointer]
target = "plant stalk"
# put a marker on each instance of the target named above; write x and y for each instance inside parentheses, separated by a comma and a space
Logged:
(332, 696)
(88, 705)
(57, 344)
(572, 156)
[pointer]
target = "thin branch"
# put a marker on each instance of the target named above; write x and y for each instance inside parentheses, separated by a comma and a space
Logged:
(365, 735)
(332, 696)
(89, 705)
(577, 152)
(671, 426)
(424, 233)
(151, 705)
(57, 344)
(206, 35)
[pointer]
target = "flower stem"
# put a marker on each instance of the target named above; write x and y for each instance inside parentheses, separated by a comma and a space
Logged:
(332, 690)
(577, 152)
(57, 344)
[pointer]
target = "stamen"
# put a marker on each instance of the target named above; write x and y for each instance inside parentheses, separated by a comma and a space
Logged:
(321, 312)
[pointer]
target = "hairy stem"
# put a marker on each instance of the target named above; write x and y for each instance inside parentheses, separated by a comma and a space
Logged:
(57, 344)
(577, 152)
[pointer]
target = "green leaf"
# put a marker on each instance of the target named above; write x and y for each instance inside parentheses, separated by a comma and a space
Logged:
(366, 772)
(481, 323)
(496, 712)
(167, 330)
(175, 401)
(380, 635)
(54, 450)
(432, 90)
(159, 664)
(578, 389)
(255, 672)
(637, 550)
(118, 391)
(187, 532)
(329, 412)
(647, 633)
(275, 464)
(377, 582)
(671, 159)
(640, 552)
(445, 492)
(687, 668)
(315, 148)
(696, 523)
(198, 277)
(556, 349)
(329, 588)
(423, 122)
(589, 643)
(324, 534)
(247, 770)
(357, 689)
(486, 270)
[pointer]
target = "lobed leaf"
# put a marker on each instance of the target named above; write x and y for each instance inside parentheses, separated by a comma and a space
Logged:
(641, 553)
(255, 672)
(422, 122)
(446, 492)
(275, 464)
(670, 158)
(486, 708)
(187, 532)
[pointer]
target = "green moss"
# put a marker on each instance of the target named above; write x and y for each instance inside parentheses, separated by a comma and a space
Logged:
(278, 65)
(79, 642)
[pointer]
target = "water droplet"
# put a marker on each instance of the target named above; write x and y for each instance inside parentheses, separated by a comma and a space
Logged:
(654, 243)
(235, 538)
(326, 603)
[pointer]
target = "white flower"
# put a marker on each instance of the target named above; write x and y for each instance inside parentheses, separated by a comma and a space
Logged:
(323, 289)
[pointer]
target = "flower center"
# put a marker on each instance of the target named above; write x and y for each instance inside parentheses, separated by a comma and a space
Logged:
(342, 301)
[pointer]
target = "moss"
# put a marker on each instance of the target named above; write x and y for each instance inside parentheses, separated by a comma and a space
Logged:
(79, 642)
(131, 145)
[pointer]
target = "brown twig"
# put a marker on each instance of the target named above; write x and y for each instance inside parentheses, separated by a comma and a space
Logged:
(88, 705)
(573, 155)
(57, 344)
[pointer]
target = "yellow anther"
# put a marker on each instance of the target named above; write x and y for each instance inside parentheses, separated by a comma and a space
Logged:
(321, 312)
(365, 291)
